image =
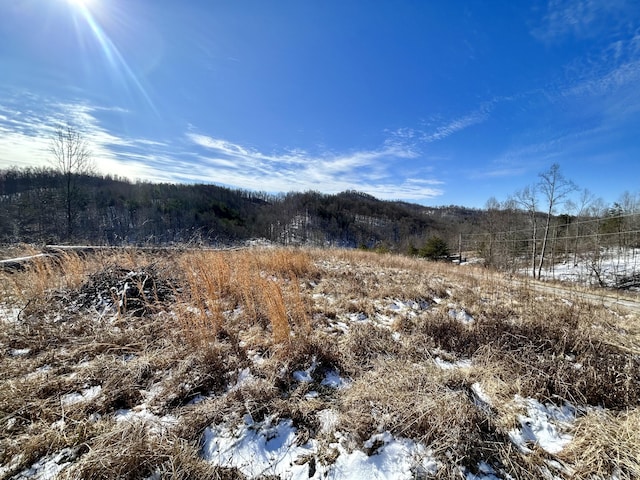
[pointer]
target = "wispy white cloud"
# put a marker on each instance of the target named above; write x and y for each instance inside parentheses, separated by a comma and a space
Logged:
(374, 171)
(499, 173)
(387, 172)
(224, 147)
(27, 123)
(458, 124)
(577, 148)
(579, 18)
(607, 82)
(410, 138)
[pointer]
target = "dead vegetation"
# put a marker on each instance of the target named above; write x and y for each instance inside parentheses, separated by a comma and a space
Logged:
(113, 365)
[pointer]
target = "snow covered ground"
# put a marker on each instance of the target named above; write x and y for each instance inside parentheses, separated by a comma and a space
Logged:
(271, 447)
(610, 267)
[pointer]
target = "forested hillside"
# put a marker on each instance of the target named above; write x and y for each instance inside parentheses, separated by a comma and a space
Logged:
(40, 205)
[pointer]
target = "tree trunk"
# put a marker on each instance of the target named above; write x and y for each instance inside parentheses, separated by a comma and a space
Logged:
(533, 249)
(544, 242)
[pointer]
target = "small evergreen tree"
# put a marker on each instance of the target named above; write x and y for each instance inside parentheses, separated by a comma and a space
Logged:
(435, 248)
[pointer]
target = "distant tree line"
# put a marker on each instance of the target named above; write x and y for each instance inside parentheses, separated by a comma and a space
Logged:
(47, 205)
(545, 223)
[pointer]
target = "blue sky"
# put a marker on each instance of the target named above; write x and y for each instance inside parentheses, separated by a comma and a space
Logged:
(437, 103)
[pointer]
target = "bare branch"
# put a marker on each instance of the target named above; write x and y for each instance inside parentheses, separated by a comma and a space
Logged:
(70, 153)
(72, 158)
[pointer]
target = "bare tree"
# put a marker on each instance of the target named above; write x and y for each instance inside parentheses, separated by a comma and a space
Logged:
(581, 209)
(493, 209)
(555, 188)
(527, 199)
(72, 158)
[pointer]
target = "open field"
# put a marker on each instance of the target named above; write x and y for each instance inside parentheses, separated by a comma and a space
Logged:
(292, 363)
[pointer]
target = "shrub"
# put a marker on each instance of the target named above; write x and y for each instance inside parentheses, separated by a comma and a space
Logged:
(435, 249)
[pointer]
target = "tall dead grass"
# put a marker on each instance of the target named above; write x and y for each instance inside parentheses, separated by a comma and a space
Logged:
(258, 286)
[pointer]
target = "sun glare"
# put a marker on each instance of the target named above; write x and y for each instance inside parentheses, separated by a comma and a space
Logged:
(80, 3)
(115, 60)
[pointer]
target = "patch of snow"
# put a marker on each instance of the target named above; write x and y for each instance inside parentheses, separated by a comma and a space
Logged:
(408, 305)
(245, 377)
(318, 296)
(333, 379)
(567, 470)
(393, 459)
(543, 425)
(396, 306)
(302, 376)
(342, 326)
(265, 448)
(481, 398)
(385, 320)
(305, 376)
(39, 371)
(418, 304)
(461, 316)
(19, 352)
(9, 314)
(334, 326)
(357, 317)
(196, 400)
(328, 419)
(157, 425)
(270, 448)
(612, 265)
(15, 461)
(258, 358)
(84, 396)
(445, 365)
(485, 472)
(153, 392)
(49, 467)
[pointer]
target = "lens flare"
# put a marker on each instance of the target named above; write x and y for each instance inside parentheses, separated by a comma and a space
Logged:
(115, 59)
(79, 3)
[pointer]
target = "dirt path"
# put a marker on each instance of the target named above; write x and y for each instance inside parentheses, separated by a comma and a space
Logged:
(608, 298)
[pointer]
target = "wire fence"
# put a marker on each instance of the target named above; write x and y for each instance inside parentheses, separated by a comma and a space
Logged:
(604, 251)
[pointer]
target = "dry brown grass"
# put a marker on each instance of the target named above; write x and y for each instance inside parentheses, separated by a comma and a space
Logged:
(433, 406)
(263, 286)
(131, 450)
(276, 311)
(605, 445)
(192, 322)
